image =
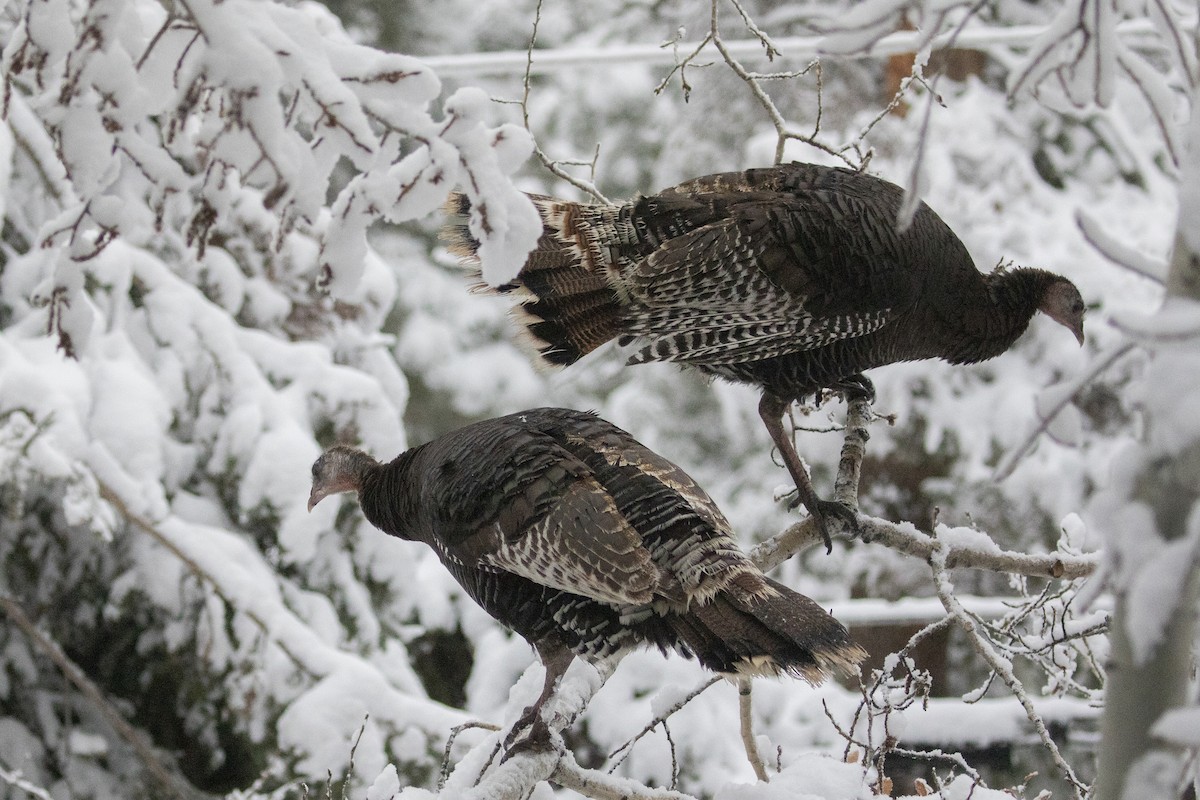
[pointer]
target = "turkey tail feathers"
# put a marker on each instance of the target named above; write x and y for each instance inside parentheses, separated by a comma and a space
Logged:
(568, 307)
(784, 632)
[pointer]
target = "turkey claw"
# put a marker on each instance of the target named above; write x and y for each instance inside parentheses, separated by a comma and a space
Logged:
(831, 509)
(537, 740)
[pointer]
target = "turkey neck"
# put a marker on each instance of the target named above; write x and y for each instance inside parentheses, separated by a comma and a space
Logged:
(385, 496)
(986, 315)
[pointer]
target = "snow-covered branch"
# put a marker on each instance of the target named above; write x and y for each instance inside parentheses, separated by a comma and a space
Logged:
(162, 776)
(793, 48)
(1001, 666)
(967, 549)
(601, 786)
(195, 119)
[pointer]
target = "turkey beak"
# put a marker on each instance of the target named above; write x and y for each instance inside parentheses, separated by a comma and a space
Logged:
(314, 497)
(1078, 331)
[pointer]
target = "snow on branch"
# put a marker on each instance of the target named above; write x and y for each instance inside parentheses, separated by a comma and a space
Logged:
(1000, 665)
(1080, 55)
(1054, 404)
(964, 548)
(192, 119)
(1119, 252)
(791, 48)
(165, 779)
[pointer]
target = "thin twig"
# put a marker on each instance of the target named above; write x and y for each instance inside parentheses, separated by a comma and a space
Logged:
(551, 164)
(454, 732)
(782, 131)
(625, 749)
(16, 780)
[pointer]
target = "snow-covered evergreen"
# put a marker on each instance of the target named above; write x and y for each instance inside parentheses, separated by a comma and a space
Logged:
(204, 280)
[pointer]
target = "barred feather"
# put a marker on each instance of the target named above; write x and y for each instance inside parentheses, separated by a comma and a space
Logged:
(570, 532)
(793, 278)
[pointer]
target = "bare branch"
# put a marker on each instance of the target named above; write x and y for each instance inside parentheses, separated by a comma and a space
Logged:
(587, 186)
(783, 132)
(945, 591)
(626, 748)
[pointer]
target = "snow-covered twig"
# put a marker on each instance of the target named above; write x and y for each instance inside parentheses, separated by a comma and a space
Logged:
(1064, 395)
(600, 786)
(15, 779)
(1159, 97)
(938, 563)
(1121, 254)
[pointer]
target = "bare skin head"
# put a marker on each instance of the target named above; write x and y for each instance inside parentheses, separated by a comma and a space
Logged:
(339, 469)
(1063, 304)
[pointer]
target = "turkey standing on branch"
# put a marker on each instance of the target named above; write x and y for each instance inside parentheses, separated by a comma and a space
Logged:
(571, 533)
(793, 278)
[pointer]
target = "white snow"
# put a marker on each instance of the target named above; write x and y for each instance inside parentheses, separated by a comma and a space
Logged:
(172, 455)
(1179, 726)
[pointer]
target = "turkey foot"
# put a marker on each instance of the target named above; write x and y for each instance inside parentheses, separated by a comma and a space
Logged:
(536, 740)
(771, 409)
(855, 386)
(555, 658)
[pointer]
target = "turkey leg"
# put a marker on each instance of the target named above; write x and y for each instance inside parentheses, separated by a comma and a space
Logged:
(771, 409)
(555, 658)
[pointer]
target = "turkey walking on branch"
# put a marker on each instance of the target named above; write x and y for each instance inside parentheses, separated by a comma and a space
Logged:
(571, 533)
(793, 278)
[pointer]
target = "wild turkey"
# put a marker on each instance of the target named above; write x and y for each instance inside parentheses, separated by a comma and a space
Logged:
(571, 533)
(793, 278)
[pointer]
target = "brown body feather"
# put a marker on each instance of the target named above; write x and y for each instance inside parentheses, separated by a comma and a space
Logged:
(793, 278)
(567, 530)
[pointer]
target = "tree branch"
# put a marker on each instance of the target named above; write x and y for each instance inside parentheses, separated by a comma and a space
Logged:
(157, 770)
(17, 780)
(945, 592)
(904, 537)
(148, 527)
(568, 774)
(552, 165)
